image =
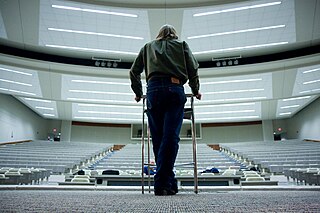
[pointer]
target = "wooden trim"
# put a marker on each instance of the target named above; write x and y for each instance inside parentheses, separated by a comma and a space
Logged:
(78, 123)
(15, 142)
(231, 124)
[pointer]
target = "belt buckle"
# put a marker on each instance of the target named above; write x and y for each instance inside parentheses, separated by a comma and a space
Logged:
(175, 80)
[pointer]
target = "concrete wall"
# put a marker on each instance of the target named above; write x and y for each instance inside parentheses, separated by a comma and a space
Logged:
(114, 135)
(225, 134)
(306, 123)
(18, 122)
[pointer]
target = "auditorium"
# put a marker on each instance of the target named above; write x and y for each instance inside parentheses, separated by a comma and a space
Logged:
(159, 106)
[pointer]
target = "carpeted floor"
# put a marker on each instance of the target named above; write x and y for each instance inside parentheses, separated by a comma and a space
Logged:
(131, 201)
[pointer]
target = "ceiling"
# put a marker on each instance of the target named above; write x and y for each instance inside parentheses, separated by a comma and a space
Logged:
(118, 29)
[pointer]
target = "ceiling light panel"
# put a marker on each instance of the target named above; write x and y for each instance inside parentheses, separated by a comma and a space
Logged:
(107, 113)
(239, 29)
(86, 27)
(19, 81)
(290, 106)
(45, 108)
(97, 90)
(3, 32)
(307, 81)
(226, 112)
(235, 89)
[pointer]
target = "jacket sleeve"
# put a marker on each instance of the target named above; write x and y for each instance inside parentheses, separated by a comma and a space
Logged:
(135, 74)
(192, 69)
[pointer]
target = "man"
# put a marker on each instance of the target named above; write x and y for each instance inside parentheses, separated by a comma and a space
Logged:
(168, 64)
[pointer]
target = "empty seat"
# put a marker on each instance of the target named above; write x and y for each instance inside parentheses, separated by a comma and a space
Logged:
(255, 179)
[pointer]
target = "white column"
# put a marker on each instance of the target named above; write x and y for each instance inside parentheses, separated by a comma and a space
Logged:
(267, 127)
(65, 131)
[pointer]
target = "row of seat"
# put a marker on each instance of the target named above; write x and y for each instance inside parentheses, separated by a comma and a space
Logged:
(17, 176)
(276, 157)
(310, 176)
(59, 157)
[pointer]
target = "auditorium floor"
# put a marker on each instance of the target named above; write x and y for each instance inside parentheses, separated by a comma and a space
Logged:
(133, 201)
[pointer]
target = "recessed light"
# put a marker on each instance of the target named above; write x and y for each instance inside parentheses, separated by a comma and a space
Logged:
(38, 100)
(90, 49)
(15, 82)
(45, 108)
(237, 9)
(234, 91)
(100, 118)
(226, 112)
(287, 107)
(100, 100)
(232, 81)
(298, 98)
(94, 33)
(311, 82)
(229, 118)
(94, 11)
(236, 31)
(285, 113)
(50, 115)
(313, 70)
(14, 71)
(100, 92)
(111, 113)
(17, 91)
(111, 106)
(101, 82)
(240, 48)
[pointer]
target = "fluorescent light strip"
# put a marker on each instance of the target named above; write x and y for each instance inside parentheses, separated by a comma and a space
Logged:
(307, 91)
(94, 11)
(50, 115)
(237, 9)
(232, 81)
(90, 49)
(14, 71)
(241, 48)
(38, 100)
(94, 33)
(111, 113)
(225, 112)
(298, 98)
(45, 108)
(237, 31)
(311, 82)
(15, 82)
(288, 107)
(233, 99)
(101, 82)
(99, 118)
(17, 91)
(225, 105)
(99, 100)
(228, 118)
(110, 106)
(100, 92)
(285, 113)
(313, 70)
(233, 91)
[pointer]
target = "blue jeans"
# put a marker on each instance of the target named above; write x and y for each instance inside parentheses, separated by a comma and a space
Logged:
(165, 106)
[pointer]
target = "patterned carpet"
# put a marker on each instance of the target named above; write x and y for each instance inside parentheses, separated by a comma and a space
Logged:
(133, 201)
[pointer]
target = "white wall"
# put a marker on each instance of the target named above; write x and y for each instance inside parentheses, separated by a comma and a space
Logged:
(305, 124)
(114, 135)
(18, 122)
(225, 134)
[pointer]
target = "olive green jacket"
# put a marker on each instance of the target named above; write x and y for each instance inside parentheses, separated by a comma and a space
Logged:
(167, 57)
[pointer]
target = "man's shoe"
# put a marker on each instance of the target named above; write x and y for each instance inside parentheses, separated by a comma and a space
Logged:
(164, 192)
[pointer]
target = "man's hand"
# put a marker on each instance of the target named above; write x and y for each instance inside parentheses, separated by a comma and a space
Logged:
(137, 98)
(198, 96)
